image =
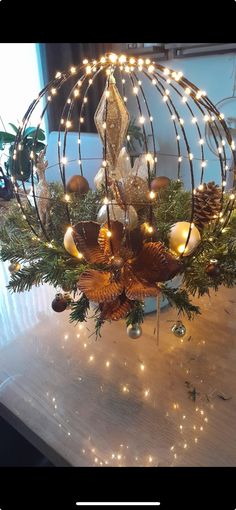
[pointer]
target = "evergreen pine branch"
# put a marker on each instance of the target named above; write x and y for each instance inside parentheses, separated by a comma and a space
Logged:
(179, 299)
(136, 314)
(79, 309)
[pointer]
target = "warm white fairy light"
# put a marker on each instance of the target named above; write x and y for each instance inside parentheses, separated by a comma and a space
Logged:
(69, 101)
(188, 91)
(68, 123)
(64, 160)
(104, 125)
(53, 91)
(90, 81)
(91, 358)
(135, 90)
(173, 117)
(151, 68)
(201, 141)
(85, 61)
(221, 116)
(184, 99)
(152, 195)
(223, 183)
(166, 71)
(141, 119)
(62, 122)
(76, 92)
(58, 74)
(122, 59)
(154, 81)
(109, 234)
(194, 120)
(180, 159)
(232, 196)
(107, 364)
(203, 164)
(81, 120)
(200, 187)
(106, 201)
(147, 61)
(151, 119)
(177, 137)
(233, 145)
(165, 98)
(181, 121)
(220, 150)
(67, 197)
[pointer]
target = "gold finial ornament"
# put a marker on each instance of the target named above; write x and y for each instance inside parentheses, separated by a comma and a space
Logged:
(112, 121)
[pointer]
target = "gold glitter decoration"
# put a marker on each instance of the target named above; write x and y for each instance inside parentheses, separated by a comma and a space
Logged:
(136, 191)
(112, 118)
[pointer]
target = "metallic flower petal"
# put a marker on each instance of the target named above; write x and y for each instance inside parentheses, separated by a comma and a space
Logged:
(117, 309)
(100, 286)
(85, 235)
(155, 264)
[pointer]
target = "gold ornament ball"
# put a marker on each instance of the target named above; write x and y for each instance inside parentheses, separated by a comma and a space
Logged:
(136, 190)
(77, 184)
(13, 268)
(134, 331)
(69, 243)
(116, 213)
(179, 329)
(160, 182)
(178, 237)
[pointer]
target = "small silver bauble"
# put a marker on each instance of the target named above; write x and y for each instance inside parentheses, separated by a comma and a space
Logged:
(134, 331)
(178, 329)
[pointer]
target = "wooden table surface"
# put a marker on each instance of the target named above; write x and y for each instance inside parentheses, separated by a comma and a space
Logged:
(117, 401)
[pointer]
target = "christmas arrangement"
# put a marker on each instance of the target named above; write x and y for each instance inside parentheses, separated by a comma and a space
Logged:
(107, 249)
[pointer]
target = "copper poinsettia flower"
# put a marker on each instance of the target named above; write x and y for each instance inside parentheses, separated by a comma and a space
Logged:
(128, 268)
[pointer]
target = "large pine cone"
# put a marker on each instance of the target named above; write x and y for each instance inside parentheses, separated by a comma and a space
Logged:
(207, 204)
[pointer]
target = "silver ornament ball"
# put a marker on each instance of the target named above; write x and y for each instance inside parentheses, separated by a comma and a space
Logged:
(179, 329)
(134, 331)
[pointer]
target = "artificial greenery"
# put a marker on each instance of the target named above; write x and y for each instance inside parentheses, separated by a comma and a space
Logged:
(135, 135)
(22, 166)
(47, 261)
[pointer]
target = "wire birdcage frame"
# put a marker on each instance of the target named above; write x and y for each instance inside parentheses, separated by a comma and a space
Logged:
(136, 78)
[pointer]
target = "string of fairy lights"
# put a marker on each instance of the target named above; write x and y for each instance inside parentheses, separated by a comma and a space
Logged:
(166, 83)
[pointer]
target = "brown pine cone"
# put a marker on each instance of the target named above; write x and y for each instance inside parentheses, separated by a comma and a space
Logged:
(207, 204)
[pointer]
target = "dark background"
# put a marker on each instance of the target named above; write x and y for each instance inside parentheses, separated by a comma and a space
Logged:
(175, 488)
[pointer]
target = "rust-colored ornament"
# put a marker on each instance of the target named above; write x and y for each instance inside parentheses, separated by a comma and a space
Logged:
(160, 183)
(77, 184)
(213, 269)
(112, 120)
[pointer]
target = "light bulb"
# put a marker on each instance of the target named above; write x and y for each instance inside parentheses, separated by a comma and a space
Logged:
(152, 195)
(73, 70)
(113, 57)
(66, 197)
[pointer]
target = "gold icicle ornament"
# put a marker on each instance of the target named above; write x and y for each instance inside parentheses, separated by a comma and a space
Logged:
(112, 121)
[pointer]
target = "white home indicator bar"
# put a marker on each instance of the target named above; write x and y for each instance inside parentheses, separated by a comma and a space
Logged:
(117, 503)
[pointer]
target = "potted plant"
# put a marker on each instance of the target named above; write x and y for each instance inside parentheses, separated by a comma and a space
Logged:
(21, 168)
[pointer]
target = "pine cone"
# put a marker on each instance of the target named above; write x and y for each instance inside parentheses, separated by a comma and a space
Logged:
(207, 204)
